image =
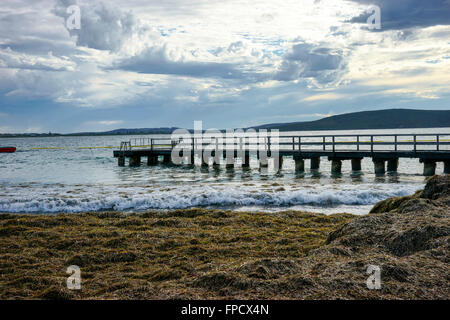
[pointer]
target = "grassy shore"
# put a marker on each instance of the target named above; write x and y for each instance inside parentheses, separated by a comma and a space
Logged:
(192, 253)
(211, 254)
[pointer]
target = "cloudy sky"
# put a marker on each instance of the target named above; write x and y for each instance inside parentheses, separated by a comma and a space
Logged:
(230, 63)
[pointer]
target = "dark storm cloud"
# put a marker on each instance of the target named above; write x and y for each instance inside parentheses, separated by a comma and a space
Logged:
(320, 64)
(155, 61)
(403, 14)
(310, 61)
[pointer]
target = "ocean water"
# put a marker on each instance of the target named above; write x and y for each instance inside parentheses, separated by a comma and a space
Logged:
(65, 177)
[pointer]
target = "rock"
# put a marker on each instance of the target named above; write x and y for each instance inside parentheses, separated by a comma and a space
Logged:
(390, 204)
(437, 187)
(417, 239)
(416, 205)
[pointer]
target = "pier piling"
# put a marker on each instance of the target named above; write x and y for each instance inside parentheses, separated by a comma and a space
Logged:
(152, 161)
(429, 168)
(392, 165)
(205, 162)
(246, 161)
(447, 167)
(336, 166)
(121, 161)
(380, 166)
(191, 159)
(216, 163)
(280, 162)
(135, 161)
(229, 164)
(315, 163)
(356, 164)
(166, 159)
(299, 164)
(263, 161)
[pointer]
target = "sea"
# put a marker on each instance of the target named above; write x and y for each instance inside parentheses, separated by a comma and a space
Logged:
(73, 174)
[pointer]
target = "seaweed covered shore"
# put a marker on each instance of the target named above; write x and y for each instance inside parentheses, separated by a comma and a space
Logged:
(212, 254)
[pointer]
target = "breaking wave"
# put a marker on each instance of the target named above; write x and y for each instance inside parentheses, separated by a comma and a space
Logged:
(139, 199)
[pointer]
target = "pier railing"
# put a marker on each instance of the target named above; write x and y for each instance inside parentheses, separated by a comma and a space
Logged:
(331, 143)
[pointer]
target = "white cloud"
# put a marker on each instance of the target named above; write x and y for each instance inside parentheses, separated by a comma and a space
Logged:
(215, 55)
(102, 27)
(324, 115)
(324, 96)
(105, 122)
(17, 60)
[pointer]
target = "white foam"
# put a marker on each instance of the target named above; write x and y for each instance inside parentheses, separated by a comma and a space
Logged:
(53, 199)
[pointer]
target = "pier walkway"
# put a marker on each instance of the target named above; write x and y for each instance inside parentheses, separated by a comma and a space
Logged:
(382, 149)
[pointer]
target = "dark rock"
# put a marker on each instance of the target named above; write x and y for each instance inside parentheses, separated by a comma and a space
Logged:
(417, 239)
(437, 187)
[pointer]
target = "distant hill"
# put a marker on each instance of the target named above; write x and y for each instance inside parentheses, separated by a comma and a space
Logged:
(164, 130)
(380, 119)
(103, 133)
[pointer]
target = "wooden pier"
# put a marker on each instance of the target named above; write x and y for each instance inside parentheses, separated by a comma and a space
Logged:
(384, 150)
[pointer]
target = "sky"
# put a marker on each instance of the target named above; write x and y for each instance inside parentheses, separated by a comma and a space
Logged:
(228, 63)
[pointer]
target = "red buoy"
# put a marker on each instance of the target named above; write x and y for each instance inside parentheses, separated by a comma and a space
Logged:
(7, 149)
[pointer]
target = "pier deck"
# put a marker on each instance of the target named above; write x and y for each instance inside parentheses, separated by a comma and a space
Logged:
(428, 148)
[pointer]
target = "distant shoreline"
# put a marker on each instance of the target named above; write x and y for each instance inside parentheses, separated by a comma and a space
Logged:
(389, 119)
(165, 133)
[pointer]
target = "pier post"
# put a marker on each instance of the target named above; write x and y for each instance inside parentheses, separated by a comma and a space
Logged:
(246, 161)
(336, 166)
(135, 161)
(166, 158)
(263, 161)
(121, 161)
(356, 164)
(229, 164)
(191, 159)
(315, 163)
(216, 159)
(152, 160)
(380, 166)
(299, 164)
(429, 168)
(447, 167)
(264, 164)
(205, 163)
(280, 162)
(392, 165)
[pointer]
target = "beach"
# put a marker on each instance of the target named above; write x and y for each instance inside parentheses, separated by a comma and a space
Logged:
(219, 254)
(149, 255)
